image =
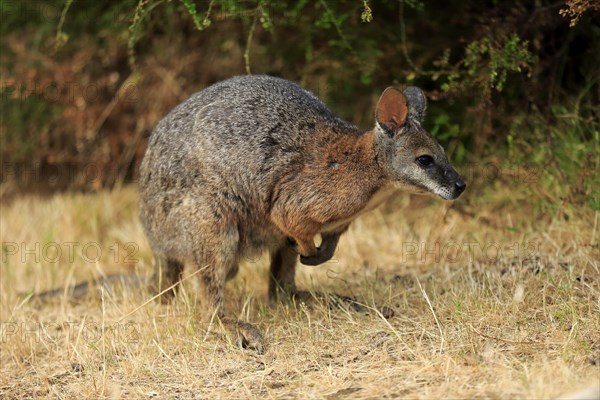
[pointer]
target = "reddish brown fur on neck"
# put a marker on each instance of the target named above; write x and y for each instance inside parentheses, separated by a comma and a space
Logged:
(335, 183)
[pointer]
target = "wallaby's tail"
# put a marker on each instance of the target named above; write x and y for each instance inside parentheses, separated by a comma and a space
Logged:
(83, 289)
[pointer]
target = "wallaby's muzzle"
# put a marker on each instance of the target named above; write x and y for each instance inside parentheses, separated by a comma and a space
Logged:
(457, 189)
(450, 186)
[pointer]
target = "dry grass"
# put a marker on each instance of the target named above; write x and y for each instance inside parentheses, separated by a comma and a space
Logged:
(522, 322)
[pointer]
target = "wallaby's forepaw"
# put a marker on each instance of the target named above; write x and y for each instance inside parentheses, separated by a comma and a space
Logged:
(321, 254)
(317, 259)
(324, 254)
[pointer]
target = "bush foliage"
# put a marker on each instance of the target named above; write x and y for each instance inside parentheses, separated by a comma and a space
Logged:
(85, 81)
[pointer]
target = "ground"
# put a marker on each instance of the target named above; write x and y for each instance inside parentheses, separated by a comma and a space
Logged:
(492, 297)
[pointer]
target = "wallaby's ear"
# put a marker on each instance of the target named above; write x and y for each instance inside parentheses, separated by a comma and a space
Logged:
(392, 110)
(417, 103)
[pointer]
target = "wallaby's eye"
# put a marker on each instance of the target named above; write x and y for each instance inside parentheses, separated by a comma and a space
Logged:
(424, 161)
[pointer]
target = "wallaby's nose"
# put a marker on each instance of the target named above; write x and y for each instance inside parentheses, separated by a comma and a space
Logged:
(460, 186)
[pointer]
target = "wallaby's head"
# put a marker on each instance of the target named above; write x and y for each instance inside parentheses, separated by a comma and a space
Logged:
(410, 156)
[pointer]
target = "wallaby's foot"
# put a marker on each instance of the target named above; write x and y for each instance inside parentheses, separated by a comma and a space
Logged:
(280, 294)
(301, 296)
(247, 336)
(290, 296)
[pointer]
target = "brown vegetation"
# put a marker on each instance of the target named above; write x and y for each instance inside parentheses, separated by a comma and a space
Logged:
(495, 305)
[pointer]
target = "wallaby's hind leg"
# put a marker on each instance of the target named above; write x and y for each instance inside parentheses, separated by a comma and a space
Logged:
(282, 271)
(216, 262)
(167, 272)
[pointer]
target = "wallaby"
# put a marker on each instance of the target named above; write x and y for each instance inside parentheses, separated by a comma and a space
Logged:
(257, 162)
